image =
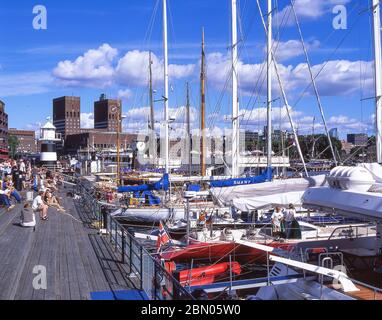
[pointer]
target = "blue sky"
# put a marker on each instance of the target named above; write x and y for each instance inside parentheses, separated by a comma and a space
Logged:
(39, 65)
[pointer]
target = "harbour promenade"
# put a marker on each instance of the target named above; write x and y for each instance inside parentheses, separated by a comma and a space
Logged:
(79, 262)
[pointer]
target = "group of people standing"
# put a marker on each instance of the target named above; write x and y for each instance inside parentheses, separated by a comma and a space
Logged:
(284, 223)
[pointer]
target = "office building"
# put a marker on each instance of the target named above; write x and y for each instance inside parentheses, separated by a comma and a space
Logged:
(3, 131)
(67, 115)
(27, 140)
(106, 113)
(358, 139)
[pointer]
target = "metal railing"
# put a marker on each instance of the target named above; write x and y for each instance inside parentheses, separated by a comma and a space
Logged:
(144, 271)
(144, 267)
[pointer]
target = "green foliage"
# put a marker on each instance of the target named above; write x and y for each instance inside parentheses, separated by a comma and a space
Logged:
(321, 147)
(13, 143)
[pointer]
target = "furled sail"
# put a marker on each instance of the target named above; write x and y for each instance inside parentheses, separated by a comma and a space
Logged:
(264, 177)
(162, 184)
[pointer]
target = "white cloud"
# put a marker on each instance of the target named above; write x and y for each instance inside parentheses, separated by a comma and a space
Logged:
(101, 68)
(87, 120)
(306, 10)
(24, 83)
(339, 77)
(133, 69)
(143, 114)
(291, 49)
(125, 94)
(94, 68)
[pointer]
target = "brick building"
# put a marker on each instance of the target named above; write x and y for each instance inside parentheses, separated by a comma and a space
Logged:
(106, 114)
(3, 131)
(27, 140)
(95, 140)
(67, 115)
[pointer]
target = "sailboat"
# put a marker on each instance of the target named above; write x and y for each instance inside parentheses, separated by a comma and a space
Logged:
(356, 191)
(245, 193)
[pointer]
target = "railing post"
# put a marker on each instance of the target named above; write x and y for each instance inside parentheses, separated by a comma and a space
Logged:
(175, 288)
(116, 237)
(123, 246)
(268, 271)
(131, 252)
(104, 216)
(141, 266)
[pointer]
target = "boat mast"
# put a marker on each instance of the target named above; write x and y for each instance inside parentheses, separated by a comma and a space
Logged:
(203, 111)
(235, 102)
(189, 130)
(152, 120)
(269, 85)
(165, 97)
(378, 77)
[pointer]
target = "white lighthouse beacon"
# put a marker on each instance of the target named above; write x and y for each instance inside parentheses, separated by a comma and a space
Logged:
(48, 139)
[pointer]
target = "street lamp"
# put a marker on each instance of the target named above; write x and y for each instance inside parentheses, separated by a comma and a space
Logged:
(117, 110)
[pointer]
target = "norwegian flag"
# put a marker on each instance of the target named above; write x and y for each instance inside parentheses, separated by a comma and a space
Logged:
(163, 237)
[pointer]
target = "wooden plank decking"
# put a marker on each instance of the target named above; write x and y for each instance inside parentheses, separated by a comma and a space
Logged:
(78, 261)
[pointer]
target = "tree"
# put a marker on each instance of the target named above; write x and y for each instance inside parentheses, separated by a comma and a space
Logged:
(321, 147)
(13, 143)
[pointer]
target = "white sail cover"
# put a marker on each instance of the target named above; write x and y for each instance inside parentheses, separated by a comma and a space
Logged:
(225, 196)
(360, 204)
(263, 202)
(376, 171)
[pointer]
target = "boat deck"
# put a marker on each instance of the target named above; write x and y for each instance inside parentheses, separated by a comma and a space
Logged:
(78, 261)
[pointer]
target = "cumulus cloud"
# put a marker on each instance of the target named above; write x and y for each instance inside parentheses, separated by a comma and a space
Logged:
(339, 77)
(87, 120)
(93, 69)
(291, 49)
(306, 10)
(179, 114)
(125, 94)
(102, 68)
(133, 69)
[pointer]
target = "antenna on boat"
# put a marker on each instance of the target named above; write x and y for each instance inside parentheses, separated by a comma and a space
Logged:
(189, 139)
(203, 111)
(269, 86)
(235, 102)
(378, 76)
(152, 120)
(166, 95)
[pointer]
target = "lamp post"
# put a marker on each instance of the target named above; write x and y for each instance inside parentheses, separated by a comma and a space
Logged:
(118, 111)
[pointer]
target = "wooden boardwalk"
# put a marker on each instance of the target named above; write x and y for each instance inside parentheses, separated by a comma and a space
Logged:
(78, 261)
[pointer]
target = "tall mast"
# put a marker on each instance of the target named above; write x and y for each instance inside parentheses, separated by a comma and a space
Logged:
(235, 103)
(165, 98)
(153, 148)
(203, 111)
(269, 85)
(378, 76)
(189, 140)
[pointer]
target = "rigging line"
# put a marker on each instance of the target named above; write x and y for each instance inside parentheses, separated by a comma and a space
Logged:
(313, 81)
(218, 105)
(275, 46)
(327, 61)
(146, 42)
(287, 106)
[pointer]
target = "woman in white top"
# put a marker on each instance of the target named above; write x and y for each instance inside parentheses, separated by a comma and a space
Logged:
(277, 218)
(39, 206)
